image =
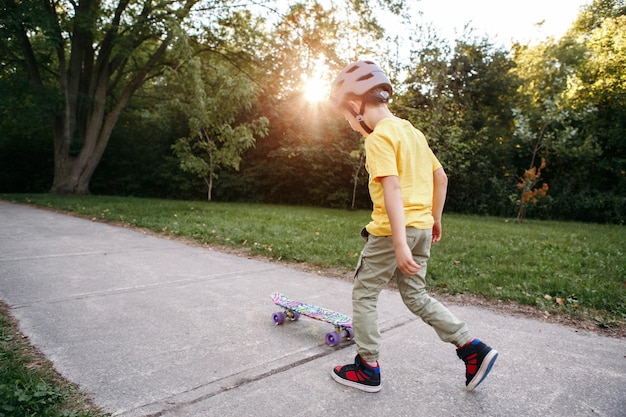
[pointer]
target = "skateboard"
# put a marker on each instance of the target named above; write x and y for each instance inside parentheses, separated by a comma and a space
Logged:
(294, 309)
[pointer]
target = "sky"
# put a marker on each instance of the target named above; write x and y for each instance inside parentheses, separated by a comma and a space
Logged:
(501, 20)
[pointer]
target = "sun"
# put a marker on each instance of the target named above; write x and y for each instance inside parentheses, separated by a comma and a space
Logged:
(315, 90)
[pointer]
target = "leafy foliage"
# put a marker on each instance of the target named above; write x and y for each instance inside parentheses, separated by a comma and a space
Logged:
(530, 194)
(486, 111)
(215, 96)
(462, 99)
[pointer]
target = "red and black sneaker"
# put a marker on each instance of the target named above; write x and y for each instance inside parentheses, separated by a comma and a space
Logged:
(478, 358)
(358, 375)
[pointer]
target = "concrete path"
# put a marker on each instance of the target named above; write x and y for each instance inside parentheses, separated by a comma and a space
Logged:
(153, 327)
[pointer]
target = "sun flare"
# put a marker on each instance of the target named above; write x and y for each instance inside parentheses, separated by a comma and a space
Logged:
(315, 90)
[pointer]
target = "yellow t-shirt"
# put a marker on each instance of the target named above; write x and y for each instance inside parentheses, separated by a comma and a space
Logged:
(397, 148)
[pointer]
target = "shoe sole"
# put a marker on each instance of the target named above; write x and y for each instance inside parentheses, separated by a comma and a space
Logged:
(484, 369)
(366, 388)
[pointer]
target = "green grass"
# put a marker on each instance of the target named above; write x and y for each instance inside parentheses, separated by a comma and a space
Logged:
(569, 268)
(574, 269)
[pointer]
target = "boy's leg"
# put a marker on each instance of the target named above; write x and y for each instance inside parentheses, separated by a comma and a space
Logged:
(413, 291)
(478, 357)
(374, 271)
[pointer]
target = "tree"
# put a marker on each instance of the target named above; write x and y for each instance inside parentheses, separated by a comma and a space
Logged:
(85, 59)
(599, 83)
(462, 98)
(91, 57)
(305, 158)
(358, 158)
(573, 113)
(545, 121)
(529, 193)
(214, 98)
(216, 89)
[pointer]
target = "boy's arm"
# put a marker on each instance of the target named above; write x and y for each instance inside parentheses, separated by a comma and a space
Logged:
(395, 210)
(440, 182)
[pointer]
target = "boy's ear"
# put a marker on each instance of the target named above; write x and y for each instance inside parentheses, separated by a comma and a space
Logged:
(354, 105)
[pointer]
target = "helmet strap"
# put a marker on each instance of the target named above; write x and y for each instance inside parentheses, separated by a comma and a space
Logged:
(365, 127)
(359, 117)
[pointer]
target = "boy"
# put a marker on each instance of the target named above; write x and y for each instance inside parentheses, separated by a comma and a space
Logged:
(408, 190)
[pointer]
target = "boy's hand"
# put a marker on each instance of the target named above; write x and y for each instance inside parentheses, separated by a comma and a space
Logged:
(437, 231)
(404, 259)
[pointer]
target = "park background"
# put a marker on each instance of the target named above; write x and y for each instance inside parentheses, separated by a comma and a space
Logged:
(220, 100)
(207, 100)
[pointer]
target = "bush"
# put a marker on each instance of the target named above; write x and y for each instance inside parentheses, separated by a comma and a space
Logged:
(589, 206)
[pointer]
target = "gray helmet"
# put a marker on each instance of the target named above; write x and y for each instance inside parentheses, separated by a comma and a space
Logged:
(362, 79)
(358, 79)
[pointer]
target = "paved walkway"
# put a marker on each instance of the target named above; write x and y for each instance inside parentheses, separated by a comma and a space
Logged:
(153, 327)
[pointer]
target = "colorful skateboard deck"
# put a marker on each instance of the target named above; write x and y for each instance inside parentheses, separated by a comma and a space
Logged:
(293, 309)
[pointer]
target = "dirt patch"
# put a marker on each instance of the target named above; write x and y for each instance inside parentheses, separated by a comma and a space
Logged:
(530, 312)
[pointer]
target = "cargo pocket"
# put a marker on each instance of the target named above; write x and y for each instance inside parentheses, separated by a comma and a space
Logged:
(365, 234)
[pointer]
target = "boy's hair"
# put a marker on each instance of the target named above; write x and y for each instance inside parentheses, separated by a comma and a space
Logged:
(380, 94)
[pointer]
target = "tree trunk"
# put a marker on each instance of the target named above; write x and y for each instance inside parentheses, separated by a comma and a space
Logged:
(71, 178)
(521, 214)
(100, 66)
(355, 178)
(72, 174)
(209, 184)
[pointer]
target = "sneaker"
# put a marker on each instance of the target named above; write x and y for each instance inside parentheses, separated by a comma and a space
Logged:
(478, 358)
(358, 375)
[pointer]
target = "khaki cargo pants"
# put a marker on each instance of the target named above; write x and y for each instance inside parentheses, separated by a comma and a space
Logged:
(376, 267)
